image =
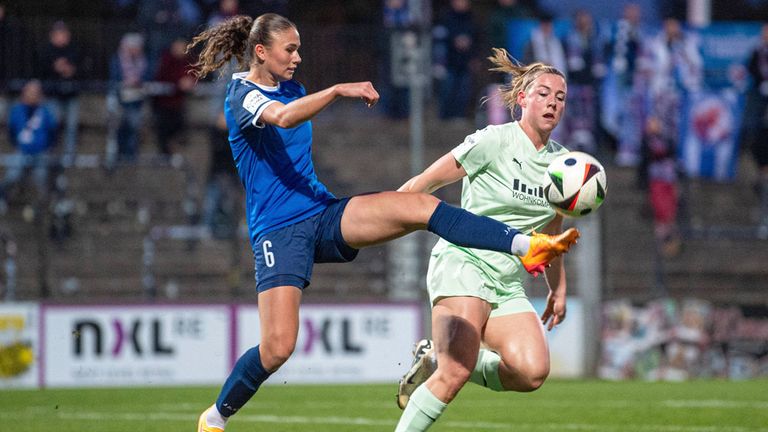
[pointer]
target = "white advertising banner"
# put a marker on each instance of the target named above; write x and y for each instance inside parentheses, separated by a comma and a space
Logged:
(343, 343)
(126, 345)
(19, 345)
(566, 341)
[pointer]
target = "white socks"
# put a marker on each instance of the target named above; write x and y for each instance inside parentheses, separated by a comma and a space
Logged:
(520, 244)
(215, 419)
(422, 410)
(486, 372)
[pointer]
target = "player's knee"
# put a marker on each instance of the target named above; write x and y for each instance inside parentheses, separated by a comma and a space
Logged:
(423, 206)
(276, 353)
(533, 380)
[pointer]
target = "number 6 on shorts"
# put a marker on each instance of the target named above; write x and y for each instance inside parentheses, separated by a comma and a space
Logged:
(269, 257)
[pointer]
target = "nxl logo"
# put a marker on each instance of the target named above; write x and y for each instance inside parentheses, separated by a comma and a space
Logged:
(143, 336)
(334, 334)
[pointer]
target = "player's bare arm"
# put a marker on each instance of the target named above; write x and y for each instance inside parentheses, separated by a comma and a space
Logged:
(555, 311)
(442, 172)
(296, 112)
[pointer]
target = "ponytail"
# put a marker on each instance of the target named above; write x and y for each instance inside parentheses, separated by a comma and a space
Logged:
(521, 75)
(220, 43)
(235, 37)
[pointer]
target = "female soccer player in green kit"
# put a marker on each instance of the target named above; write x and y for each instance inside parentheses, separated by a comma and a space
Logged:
(477, 296)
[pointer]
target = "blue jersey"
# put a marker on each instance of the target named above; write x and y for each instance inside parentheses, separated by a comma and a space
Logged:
(274, 164)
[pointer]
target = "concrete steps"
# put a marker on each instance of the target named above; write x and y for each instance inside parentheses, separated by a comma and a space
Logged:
(355, 151)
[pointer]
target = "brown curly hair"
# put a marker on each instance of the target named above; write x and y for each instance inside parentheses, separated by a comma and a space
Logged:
(235, 37)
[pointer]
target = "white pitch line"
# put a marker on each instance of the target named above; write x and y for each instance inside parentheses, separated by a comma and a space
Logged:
(266, 405)
(714, 403)
(363, 421)
(598, 427)
(615, 404)
(248, 418)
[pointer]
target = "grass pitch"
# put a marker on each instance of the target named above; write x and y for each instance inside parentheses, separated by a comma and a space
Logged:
(697, 406)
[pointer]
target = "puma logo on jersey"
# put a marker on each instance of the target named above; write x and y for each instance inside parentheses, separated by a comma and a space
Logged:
(519, 164)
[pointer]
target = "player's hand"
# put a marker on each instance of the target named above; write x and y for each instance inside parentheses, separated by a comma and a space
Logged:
(554, 313)
(363, 90)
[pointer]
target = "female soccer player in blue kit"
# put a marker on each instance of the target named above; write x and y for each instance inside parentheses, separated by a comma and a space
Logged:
(293, 220)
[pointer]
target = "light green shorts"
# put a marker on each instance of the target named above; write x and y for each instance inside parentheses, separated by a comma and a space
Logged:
(456, 274)
(513, 306)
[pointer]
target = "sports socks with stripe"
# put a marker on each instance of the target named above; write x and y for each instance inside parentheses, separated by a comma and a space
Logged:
(467, 229)
(242, 383)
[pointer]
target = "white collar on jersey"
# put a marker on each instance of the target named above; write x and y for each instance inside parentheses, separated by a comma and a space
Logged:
(241, 76)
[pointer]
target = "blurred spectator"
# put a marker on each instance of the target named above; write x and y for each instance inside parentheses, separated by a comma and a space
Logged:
(395, 20)
(164, 21)
(626, 44)
(126, 9)
(226, 10)
(396, 14)
(32, 132)
(169, 107)
(622, 97)
(586, 70)
(59, 70)
(502, 12)
(544, 46)
(672, 66)
(675, 60)
(754, 130)
(223, 190)
(128, 73)
(455, 36)
(660, 164)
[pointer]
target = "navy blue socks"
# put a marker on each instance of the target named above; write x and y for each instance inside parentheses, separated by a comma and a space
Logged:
(242, 383)
(466, 229)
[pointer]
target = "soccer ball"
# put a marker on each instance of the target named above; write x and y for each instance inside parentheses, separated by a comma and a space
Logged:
(575, 184)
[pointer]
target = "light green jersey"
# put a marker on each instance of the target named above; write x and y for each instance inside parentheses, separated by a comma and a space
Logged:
(504, 181)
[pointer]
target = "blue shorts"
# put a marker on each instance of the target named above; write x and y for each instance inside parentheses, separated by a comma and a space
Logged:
(285, 257)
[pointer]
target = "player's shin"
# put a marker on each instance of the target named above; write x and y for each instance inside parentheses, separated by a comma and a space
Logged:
(422, 411)
(242, 383)
(467, 229)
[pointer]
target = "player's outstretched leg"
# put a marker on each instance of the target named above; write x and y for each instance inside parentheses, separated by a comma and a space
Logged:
(544, 248)
(423, 366)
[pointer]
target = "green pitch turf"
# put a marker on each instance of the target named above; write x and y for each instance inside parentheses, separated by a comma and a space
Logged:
(698, 406)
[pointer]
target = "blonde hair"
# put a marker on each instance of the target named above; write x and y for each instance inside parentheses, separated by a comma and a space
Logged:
(522, 75)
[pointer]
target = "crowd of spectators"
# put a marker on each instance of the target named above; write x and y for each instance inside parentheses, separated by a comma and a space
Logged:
(645, 71)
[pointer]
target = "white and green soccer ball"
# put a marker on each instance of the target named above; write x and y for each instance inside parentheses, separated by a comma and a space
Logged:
(575, 184)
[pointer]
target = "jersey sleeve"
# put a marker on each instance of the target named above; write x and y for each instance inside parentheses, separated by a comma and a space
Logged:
(477, 151)
(249, 107)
